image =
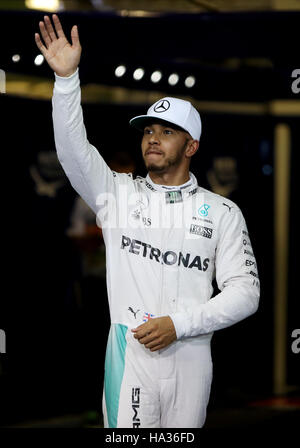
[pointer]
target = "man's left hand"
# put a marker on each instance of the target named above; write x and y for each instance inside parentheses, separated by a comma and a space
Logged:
(156, 334)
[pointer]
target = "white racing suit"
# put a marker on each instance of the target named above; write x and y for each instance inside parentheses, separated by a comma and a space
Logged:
(163, 249)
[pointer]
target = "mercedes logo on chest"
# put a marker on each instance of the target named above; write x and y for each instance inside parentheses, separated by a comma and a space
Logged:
(162, 106)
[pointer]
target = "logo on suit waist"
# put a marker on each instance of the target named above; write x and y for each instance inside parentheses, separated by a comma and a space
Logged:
(133, 312)
(135, 404)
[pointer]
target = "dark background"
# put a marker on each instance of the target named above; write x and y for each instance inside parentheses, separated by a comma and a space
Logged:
(55, 346)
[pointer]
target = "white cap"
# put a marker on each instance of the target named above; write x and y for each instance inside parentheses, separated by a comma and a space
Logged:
(173, 110)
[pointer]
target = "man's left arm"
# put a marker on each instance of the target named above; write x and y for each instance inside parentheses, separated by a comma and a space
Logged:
(237, 279)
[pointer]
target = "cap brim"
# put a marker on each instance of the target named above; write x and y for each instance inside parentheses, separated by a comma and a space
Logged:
(141, 121)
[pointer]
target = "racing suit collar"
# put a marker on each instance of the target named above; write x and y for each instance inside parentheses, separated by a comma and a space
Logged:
(185, 188)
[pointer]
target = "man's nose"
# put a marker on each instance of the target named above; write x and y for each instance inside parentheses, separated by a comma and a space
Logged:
(154, 138)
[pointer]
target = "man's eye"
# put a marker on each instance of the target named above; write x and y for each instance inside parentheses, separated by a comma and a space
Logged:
(168, 131)
(147, 131)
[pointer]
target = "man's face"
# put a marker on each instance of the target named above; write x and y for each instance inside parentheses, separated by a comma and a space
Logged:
(163, 147)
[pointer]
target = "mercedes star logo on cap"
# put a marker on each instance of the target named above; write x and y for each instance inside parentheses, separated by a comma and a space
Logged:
(162, 106)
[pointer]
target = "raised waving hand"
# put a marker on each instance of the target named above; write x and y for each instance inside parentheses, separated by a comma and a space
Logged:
(61, 56)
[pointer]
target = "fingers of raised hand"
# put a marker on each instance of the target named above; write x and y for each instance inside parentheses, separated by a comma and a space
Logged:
(39, 43)
(45, 34)
(58, 28)
(75, 36)
(49, 28)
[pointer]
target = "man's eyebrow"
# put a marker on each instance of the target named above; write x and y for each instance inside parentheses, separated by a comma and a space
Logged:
(163, 125)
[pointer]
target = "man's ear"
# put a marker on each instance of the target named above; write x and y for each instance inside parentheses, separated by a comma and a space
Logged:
(191, 148)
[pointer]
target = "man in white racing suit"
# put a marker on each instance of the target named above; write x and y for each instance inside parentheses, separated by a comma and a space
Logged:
(166, 240)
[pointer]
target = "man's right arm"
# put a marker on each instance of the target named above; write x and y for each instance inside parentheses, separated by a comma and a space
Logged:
(87, 171)
(82, 163)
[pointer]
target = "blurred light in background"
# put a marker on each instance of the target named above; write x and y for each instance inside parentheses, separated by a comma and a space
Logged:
(156, 76)
(45, 5)
(138, 74)
(97, 3)
(120, 71)
(190, 81)
(16, 58)
(173, 79)
(267, 170)
(39, 59)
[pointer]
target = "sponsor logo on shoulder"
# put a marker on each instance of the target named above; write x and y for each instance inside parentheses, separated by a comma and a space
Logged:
(201, 230)
(226, 205)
